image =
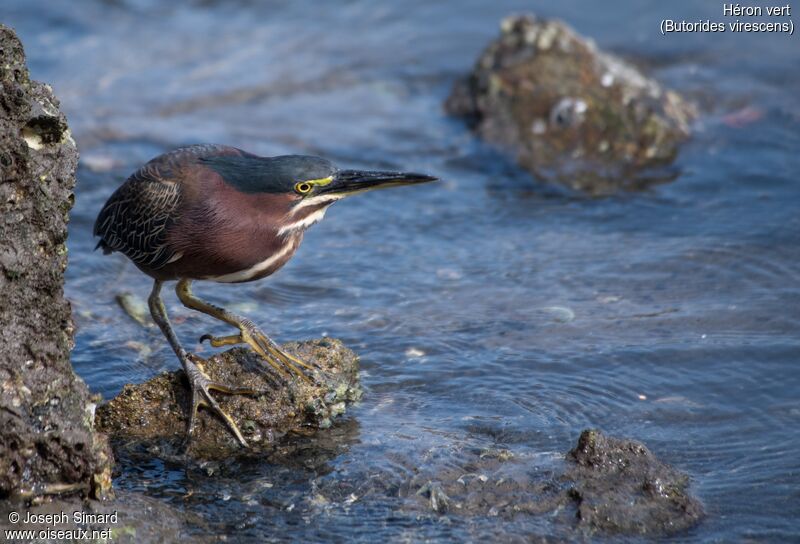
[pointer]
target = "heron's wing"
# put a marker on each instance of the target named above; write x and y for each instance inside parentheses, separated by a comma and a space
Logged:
(137, 217)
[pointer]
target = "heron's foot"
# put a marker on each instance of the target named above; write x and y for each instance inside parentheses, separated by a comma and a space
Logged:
(264, 346)
(201, 386)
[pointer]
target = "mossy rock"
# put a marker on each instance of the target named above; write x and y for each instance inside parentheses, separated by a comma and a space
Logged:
(155, 413)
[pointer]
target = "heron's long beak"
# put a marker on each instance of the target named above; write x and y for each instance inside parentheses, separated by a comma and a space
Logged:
(347, 182)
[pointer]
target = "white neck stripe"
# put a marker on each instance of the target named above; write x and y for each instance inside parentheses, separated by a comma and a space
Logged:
(244, 275)
(315, 201)
(305, 222)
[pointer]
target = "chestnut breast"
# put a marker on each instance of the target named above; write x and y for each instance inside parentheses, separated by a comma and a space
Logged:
(226, 235)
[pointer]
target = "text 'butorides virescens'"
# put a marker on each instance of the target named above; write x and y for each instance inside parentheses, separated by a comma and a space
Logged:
(212, 212)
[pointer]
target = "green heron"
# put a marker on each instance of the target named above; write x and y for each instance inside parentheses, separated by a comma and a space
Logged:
(213, 212)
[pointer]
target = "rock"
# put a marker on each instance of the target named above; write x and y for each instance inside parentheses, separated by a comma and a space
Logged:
(47, 441)
(569, 112)
(606, 485)
(620, 487)
(154, 414)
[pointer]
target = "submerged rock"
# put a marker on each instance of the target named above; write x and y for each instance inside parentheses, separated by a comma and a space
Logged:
(154, 414)
(570, 112)
(605, 485)
(619, 486)
(47, 442)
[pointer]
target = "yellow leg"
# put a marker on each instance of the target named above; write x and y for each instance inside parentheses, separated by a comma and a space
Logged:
(249, 334)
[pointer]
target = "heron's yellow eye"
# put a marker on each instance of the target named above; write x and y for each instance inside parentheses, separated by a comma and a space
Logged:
(302, 188)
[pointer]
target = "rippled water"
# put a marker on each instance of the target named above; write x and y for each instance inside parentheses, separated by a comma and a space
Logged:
(489, 310)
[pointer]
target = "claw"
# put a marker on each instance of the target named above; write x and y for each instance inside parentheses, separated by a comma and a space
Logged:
(201, 386)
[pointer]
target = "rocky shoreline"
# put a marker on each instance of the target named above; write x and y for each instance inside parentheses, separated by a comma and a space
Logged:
(47, 441)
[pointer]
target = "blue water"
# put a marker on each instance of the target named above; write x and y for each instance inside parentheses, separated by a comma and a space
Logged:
(489, 310)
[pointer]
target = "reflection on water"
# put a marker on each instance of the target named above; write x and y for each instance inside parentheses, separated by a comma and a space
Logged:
(489, 311)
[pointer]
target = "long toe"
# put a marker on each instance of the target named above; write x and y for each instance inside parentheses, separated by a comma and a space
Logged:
(270, 352)
(295, 365)
(201, 387)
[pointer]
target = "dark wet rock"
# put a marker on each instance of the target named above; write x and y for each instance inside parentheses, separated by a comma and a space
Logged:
(47, 442)
(569, 112)
(621, 487)
(154, 414)
(605, 485)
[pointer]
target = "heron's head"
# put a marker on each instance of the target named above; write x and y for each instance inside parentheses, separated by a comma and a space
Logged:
(316, 181)
(315, 184)
(305, 185)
